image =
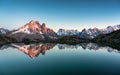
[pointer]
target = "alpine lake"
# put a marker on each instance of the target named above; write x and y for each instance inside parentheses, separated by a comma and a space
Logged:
(59, 59)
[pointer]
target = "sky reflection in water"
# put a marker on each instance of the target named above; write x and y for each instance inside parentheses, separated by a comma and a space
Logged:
(33, 50)
(58, 59)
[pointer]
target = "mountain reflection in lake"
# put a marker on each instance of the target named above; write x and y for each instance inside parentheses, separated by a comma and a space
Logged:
(33, 50)
(90, 46)
(59, 59)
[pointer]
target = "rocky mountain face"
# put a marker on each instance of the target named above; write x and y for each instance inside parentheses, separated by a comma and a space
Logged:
(63, 32)
(92, 33)
(3, 31)
(33, 31)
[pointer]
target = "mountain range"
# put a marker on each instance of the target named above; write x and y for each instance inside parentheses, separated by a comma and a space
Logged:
(92, 33)
(36, 32)
(88, 33)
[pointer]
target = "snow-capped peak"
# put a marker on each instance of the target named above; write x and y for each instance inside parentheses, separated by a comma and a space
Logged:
(33, 28)
(30, 28)
(3, 31)
(92, 33)
(63, 32)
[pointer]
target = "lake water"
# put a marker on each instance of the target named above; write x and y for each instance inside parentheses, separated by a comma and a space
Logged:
(58, 59)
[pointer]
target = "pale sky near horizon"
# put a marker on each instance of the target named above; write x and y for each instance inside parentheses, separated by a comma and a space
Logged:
(66, 14)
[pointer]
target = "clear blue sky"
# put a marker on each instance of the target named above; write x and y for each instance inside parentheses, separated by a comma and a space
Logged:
(68, 14)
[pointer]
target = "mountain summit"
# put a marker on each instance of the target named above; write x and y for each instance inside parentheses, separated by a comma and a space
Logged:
(34, 27)
(3, 31)
(33, 30)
